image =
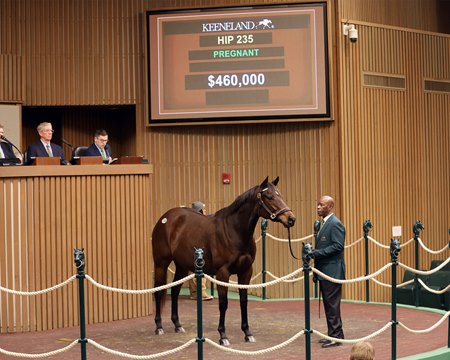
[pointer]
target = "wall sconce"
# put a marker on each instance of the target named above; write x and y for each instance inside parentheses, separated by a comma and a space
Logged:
(350, 31)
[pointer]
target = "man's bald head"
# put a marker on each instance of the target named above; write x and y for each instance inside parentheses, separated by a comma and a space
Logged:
(325, 206)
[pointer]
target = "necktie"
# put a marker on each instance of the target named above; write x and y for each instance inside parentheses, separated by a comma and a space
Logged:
(103, 153)
(49, 150)
(2, 154)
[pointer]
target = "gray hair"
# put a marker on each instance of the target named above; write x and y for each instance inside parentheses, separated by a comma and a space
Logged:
(198, 206)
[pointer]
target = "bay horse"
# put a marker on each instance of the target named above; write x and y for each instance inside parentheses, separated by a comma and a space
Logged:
(228, 247)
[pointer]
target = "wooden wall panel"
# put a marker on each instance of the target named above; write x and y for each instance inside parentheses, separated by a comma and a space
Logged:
(75, 53)
(395, 147)
(45, 218)
(426, 15)
(12, 78)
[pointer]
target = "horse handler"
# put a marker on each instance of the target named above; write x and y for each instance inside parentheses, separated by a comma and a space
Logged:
(201, 208)
(329, 259)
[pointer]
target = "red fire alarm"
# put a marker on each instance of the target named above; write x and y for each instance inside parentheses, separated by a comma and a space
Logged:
(226, 178)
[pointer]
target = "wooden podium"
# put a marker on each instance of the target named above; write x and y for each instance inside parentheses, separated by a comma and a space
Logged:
(51, 210)
(46, 161)
(88, 160)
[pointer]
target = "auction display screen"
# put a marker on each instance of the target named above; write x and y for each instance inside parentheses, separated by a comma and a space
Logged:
(229, 65)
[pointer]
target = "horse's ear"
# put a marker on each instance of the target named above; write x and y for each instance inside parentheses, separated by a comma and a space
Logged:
(264, 183)
(275, 182)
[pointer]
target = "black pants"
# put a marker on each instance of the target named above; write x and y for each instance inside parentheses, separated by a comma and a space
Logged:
(331, 293)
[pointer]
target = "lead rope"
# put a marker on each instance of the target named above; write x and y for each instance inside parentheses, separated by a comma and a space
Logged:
(290, 246)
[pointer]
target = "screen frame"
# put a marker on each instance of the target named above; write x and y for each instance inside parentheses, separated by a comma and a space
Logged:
(240, 119)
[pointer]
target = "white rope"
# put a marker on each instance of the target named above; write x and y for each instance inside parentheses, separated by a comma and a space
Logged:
(381, 283)
(361, 278)
(353, 243)
(405, 283)
(270, 349)
(145, 291)
(292, 240)
(370, 336)
(39, 356)
(407, 243)
(38, 292)
(256, 286)
(378, 243)
(431, 328)
(152, 356)
(389, 285)
(252, 279)
(257, 352)
(432, 251)
(422, 272)
(359, 240)
(291, 280)
(432, 290)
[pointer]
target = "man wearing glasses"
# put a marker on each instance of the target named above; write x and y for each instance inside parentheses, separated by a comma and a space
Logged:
(44, 147)
(100, 147)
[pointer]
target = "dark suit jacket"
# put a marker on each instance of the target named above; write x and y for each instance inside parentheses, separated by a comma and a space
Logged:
(329, 252)
(94, 151)
(7, 150)
(37, 149)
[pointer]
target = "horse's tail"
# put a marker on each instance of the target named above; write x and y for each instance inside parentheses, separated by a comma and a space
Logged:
(160, 279)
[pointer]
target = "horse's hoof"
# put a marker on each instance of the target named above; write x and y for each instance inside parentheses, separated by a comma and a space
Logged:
(179, 329)
(250, 338)
(159, 331)
(224, 342)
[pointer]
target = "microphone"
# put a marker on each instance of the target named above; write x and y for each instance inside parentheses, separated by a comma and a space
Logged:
(10, 143)
(5, 139)
(67, 143)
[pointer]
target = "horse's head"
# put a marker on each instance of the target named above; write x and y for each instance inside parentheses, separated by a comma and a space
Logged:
(272, 205)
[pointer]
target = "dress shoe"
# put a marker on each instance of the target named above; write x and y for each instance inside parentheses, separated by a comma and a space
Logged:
(324, 341)
(331, 344)
(204, 297)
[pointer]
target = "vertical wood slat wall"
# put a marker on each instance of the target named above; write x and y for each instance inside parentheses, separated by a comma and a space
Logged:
(46, 218)
(189, 163)
(412, 14)
(73, 53)
(12, 80)
(395, 145)
(340, 157)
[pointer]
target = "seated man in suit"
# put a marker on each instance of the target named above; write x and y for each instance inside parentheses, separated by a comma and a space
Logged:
(44, 147)
(100, 147)
(6, 151)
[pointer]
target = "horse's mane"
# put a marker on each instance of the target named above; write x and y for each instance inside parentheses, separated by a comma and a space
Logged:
(238, 202)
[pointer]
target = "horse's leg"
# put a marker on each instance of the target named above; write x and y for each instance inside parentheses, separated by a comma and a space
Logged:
(179, 274)
(223, 306)
(243, 302)
(160, 279)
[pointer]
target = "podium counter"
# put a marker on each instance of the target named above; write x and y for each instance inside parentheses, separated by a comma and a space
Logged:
(47, 212)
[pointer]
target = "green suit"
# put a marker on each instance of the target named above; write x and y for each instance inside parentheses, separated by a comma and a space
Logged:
(329, 259)
(329, 252)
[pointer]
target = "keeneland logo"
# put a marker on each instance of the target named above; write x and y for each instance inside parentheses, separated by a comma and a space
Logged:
(266, 24)
(238, 25)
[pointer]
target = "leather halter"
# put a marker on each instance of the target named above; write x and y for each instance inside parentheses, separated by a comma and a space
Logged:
(273, 215)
